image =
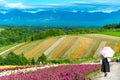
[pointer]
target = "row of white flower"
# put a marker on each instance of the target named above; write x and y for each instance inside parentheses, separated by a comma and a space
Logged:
(9, 72)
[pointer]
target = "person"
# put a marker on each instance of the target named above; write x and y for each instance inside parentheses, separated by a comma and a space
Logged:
(105, 67)
(40, 64)
(118, 60)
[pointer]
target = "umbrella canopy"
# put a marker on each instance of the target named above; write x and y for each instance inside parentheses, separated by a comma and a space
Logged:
(107, 52)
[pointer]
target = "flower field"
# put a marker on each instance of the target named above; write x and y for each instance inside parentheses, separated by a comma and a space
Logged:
(24, 48)
(79, 50)
(68, 46)
(40, 48)
(63, 47)
(7, 68)
(61, 72)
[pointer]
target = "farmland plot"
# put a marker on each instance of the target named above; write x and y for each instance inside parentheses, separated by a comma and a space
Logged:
(65, 47)
(117, 48)
(28, 46)
(40, 48)
(80, 48)
(54, 45)
(62, 48)
(91, 50)
(71, 48)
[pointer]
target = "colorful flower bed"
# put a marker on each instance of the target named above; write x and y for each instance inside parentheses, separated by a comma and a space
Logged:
(6, 68)
(63, 72)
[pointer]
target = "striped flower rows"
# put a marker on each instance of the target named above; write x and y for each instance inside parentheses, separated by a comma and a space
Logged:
(65, 47)
(63, 72)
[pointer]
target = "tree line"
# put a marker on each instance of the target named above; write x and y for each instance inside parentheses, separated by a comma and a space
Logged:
(13, 59)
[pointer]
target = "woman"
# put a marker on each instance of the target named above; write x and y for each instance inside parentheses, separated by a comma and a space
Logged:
(105, 67)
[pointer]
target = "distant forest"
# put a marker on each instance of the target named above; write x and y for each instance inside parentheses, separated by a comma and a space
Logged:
(15, 34)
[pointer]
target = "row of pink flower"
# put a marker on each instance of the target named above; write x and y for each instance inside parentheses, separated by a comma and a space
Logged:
(63, 72)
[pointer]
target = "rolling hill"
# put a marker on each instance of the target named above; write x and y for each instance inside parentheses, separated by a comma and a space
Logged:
(68, 46)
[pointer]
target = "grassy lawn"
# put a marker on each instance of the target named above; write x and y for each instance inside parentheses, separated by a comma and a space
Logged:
(111, 33)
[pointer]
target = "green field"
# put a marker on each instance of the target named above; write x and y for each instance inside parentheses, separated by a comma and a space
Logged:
(1, 29)
(111, 33)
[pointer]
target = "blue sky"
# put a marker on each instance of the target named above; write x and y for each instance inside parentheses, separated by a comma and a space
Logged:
(81, 5)
(38, 2)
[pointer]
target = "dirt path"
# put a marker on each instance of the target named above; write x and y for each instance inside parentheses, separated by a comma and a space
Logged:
(113, 75)
(11, 48)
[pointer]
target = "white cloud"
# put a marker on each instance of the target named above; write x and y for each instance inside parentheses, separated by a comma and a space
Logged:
(14, 5)
(107, 2)
(106, 10)
(77, 5)
(51, 5)
(33, 11)
(19, 5)
(2, 2)
(3, 12)
(74, 11)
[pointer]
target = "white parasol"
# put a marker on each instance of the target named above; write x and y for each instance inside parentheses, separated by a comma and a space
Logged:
(107, 52)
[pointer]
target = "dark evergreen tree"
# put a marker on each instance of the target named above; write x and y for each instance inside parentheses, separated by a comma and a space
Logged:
(23, 59)
(1, 60)
(33, 61)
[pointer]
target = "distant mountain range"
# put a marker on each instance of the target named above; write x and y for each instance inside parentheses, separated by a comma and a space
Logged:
(58, 18)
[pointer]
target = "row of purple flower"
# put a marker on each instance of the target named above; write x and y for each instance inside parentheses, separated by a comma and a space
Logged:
(62, 72)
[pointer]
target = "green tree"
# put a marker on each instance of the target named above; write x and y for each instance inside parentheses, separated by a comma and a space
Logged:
(23, 59)
(33, 61)
(42, 59)
(12, 59)
(1, 60)
(54, 32)
(110, 26)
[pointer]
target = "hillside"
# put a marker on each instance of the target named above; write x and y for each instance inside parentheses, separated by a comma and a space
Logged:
(68, 46)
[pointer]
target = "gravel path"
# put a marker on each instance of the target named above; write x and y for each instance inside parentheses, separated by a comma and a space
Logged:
(113, 75)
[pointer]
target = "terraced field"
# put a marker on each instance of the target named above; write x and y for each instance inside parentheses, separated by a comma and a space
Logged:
(68, 46)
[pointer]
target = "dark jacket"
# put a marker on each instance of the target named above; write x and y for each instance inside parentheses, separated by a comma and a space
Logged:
(105, 67)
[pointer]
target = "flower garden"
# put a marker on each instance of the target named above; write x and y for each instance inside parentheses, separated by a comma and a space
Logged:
(61, 72)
